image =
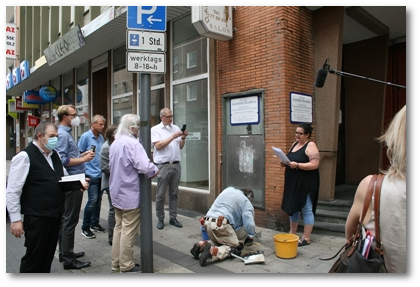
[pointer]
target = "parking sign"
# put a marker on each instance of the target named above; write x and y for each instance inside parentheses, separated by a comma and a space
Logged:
(151, 18)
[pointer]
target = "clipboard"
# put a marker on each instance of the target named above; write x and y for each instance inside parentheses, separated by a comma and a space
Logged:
(283, 158)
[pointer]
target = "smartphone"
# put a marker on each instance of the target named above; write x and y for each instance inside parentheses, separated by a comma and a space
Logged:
(93, 147)
(184, 127)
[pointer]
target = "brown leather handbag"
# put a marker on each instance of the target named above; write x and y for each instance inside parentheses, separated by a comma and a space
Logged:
(351, 259)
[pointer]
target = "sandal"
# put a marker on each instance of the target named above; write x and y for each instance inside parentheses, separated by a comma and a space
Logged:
(302, 242)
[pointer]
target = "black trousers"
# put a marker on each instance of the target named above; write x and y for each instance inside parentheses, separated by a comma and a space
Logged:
(70, 219)
(41, 236)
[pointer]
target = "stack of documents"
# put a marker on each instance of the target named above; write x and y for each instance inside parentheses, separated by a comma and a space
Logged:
(283, 158)
(72, 182)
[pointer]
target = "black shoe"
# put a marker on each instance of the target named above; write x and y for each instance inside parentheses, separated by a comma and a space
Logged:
(76, 264)
(136, 268)
(97, 228)
(205, 254)
(175, 223)
(195, 251)
(160, 224)
(88, 234)
(76, 255)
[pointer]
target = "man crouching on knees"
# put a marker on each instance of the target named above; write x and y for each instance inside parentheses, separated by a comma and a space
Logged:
(231, 211)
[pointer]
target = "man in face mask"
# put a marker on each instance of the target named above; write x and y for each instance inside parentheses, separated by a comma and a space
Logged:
(73, 161)
(33, 190)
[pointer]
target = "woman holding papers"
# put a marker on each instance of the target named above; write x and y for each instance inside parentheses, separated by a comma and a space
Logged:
(392, 206)
(301, 184)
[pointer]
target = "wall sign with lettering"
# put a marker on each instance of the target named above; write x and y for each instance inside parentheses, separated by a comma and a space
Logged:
(301, 109)
(244, 110)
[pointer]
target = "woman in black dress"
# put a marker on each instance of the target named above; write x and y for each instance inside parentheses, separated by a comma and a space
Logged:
(301, 184)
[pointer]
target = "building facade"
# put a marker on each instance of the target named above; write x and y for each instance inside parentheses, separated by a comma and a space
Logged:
(239, 97)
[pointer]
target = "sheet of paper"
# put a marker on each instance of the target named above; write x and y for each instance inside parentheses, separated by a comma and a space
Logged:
(80, 176)
(283, 158)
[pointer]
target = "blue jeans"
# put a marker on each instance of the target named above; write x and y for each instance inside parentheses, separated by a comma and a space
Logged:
(93, 205)
(307, 214)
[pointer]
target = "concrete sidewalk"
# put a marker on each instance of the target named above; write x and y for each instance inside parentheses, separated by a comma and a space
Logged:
(171, 249)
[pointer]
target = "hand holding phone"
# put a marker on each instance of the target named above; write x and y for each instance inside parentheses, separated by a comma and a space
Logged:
(184, 127)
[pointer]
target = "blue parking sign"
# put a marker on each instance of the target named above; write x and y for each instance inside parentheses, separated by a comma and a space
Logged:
(152, 18)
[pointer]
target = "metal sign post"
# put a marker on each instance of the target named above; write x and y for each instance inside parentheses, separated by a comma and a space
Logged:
(146, 238)
(140, 59)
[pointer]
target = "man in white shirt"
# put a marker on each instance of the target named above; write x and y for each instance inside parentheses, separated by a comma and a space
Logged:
(33, 190)
(167, 140)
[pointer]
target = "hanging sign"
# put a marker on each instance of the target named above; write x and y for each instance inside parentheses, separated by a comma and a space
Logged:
(32, 97)
(213, 21)
(48, 94)
(33, 121)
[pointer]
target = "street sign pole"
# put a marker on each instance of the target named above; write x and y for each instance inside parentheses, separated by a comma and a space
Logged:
(146, 238)
(141, 60)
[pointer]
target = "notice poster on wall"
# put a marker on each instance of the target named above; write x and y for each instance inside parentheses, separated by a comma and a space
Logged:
(244, 110)
(300, 108)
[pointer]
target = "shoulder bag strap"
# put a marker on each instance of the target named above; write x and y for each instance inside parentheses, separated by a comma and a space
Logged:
(368, 196)
(378, 186)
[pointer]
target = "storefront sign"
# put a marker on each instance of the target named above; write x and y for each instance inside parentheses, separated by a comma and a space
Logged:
(33, 121)
(213, 21)
(70, 42)
(32, 97)
(11, 41)
(48, 94)
(24, 70)
(19, 105)
(9, 81)
(16, 76)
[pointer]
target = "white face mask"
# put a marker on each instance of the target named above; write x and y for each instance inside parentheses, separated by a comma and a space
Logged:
(75, 121)
(168, 127)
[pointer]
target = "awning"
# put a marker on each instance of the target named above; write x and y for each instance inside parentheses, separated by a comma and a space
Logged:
(104, 37)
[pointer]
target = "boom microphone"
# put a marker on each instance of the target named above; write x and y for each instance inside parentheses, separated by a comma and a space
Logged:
(322, 75)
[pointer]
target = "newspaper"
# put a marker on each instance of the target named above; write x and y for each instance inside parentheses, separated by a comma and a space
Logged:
(283, 158)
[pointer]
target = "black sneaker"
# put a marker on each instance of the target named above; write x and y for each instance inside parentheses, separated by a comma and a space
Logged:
(97, 228)
(88, 234)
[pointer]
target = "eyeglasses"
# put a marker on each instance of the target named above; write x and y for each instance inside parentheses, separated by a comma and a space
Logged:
(298, 133)
(72, 115)
(168, 117)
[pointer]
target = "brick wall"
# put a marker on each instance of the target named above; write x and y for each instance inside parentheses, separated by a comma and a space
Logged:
(271, 49)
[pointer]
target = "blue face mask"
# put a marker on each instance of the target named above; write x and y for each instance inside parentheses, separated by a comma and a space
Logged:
(52, 143)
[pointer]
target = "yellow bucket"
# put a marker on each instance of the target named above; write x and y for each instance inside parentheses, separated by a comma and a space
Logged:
(286, 245)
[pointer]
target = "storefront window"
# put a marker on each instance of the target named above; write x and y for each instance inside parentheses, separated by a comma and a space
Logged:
(122, 98)
(190, 101)
(82, 99)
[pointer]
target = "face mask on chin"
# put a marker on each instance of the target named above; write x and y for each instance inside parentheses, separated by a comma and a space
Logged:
(168, 127)
(75, 122)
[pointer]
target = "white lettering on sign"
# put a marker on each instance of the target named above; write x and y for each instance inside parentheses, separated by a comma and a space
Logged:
(10, 41)
(145, 41)
(146, 62)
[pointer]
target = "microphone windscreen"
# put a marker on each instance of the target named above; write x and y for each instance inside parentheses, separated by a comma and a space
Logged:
(321, 77)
